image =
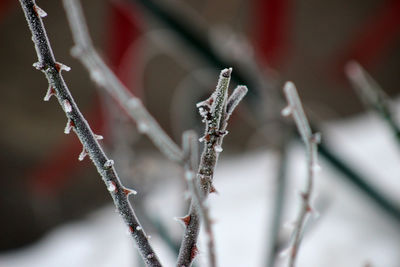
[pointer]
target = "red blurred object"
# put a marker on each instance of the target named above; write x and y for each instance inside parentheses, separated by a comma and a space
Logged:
(272, 30)
(374, 39)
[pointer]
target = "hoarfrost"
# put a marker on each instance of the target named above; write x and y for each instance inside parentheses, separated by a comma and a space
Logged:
(111, 186)
(108, 164)
(67, 106)
(218, 149)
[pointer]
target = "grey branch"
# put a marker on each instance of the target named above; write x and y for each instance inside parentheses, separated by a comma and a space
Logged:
(190, 148)
(295, 109)
(371, 94)
(215, 116)
(102, 75)
(47, 64)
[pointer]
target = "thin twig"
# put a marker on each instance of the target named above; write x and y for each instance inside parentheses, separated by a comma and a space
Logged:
(278, 203)
(190, 148)
(102, 75)
(215, 113)
(295, 109)
(52, 69)
(371, 94)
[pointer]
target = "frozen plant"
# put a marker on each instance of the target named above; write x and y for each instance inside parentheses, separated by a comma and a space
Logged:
(311, 141)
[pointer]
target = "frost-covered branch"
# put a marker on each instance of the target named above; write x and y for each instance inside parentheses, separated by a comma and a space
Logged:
(190, 148)
(311, 141)
(215, 115)
(102, 75)
(371, 94)
(57, 87)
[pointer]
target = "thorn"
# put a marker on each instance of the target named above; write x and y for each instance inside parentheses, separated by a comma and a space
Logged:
(82, 155)
(98, 137)
(130, 229)
(67, 105)
(60, 67)
(287, 111)
(38, 65)
(150, 256)
(39, 12)
(128, 191)
(194, 252)
(69, 126)
(50, 93)
(213, 190)
(184, 220)
(138, 228)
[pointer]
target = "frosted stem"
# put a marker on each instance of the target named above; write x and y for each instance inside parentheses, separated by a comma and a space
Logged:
(102, 75)
(190, 148)
(311, 141)
(52, 70)
(214, 112)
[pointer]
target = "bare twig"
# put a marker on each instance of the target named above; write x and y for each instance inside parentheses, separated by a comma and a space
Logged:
(278, 203)
(295, 109)
(190, 148)
(52, 69)
(102, 75)
(215, 114)
(371, 94)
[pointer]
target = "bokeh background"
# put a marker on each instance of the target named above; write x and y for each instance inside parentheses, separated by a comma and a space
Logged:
(43, 184)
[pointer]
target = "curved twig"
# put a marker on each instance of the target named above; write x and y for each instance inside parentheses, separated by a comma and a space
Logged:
(295, 109)
(102, 75)
(52, 69)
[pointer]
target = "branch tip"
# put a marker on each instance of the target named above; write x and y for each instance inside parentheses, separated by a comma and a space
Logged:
(226, 72)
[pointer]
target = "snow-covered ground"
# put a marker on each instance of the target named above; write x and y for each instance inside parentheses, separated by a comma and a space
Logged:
(350, 231)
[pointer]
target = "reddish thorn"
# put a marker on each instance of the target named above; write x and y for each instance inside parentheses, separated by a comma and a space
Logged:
(213, 190)
(309, 209)
(194, 252)
(185, 220)
(131, 229)
(207, 137)
(128, 191)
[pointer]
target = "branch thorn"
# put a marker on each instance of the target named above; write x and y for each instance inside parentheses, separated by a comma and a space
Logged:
(50, 92)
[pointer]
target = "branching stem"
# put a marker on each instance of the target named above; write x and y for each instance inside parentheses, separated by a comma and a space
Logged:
(295, 109)
(215, 113)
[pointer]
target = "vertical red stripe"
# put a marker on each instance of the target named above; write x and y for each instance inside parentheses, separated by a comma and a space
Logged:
(271, 30)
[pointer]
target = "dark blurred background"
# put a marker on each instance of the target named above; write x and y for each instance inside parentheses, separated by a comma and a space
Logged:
(43, 184)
